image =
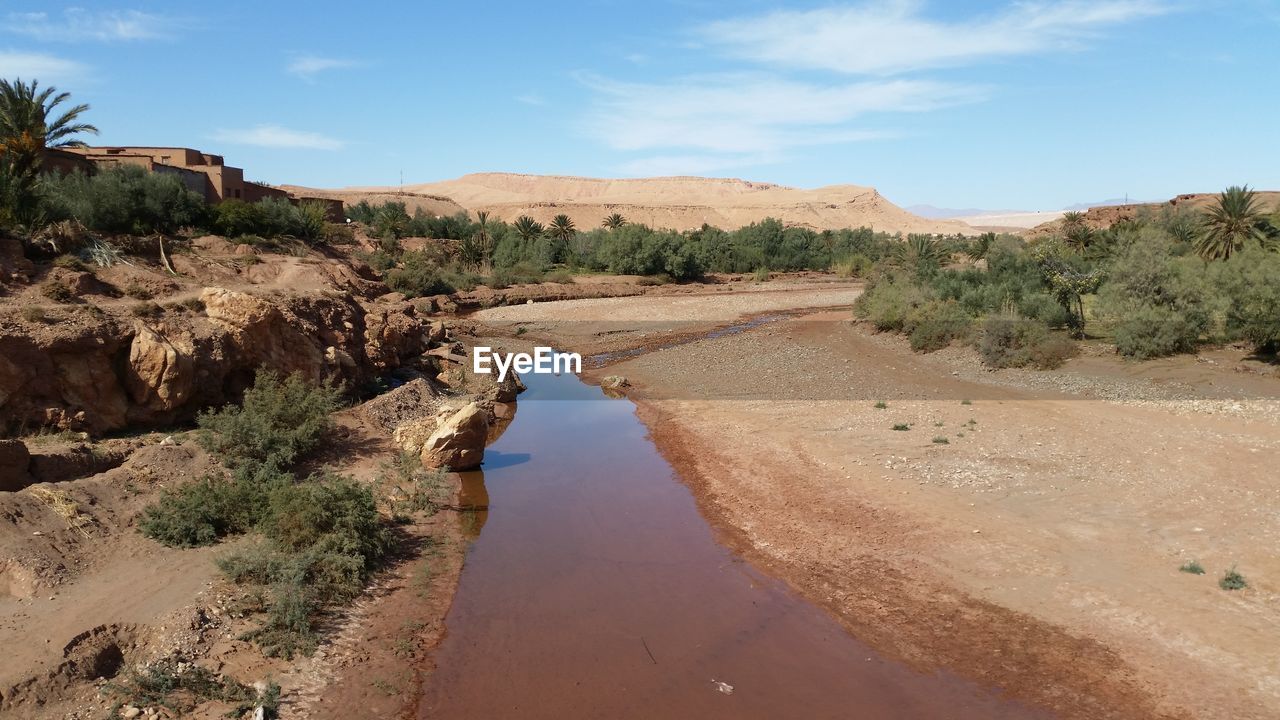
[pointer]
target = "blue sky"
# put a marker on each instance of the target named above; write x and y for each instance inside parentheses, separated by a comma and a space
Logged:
(1029, 105)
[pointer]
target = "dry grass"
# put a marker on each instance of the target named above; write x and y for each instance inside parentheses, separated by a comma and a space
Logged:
(64, 507)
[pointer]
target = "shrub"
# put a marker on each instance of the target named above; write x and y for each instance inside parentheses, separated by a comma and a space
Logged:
(1159, 305)
(33, 313)
(1009, 341)
(279, 421)
(236, 218)
(564, 277)
(1233, 580)
(1194, 568)
(889, 301)
(934, 325)
(198, 513)
(417, 275)
(123, 199)
(856, 265)
(323, 538)
(901, 427)
(1248, 283)
(58, 292)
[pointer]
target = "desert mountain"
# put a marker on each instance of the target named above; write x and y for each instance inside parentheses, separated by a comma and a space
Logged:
(680, 203)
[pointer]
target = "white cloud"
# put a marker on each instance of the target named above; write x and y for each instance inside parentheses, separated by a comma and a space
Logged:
(78, 24)
(39, 66)
(894, 37)
(308, 66)
(275, 136)
(751, 115)
(531, 99)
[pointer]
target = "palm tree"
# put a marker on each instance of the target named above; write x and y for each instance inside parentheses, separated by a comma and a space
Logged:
(1235, 220)
(980, 247)
(481, 237)
(1076, 232)
(26, 127)
(527, 228)
(922, 253)
(614, 221)
(562, 227)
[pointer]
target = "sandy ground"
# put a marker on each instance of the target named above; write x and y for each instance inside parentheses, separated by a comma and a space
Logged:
(1037, 550)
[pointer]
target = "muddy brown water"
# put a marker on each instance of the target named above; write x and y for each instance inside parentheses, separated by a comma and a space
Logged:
(593, 588)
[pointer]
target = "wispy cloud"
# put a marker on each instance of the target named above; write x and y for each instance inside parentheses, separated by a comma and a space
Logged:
(743, 119)
(39, 66)
(806, 97)
(79, 24)
(895, 37)
(308, 66)
(533, 99)
(275, 136)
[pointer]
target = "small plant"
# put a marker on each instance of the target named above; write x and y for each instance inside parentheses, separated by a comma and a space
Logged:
(59, 292)
(940, 440)
(966, 401)
(70, 262)
(901, 427)
(762, 275)
(147, 309)
(137, 292)
(521, 330)
(33, 313)
(881, 405)
(1233, 580)
(1194, 568)
(939, 424)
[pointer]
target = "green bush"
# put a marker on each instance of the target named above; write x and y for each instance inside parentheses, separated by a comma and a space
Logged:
(195, 514)
(323, 539)
(1158, 304)
(1010, 341)
(418, 275)
(123, 199)
(1248, 283)
(934, 325)
(889, 301)
(278, 421)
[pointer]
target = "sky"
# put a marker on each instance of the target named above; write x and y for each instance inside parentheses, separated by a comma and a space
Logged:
(999, 105)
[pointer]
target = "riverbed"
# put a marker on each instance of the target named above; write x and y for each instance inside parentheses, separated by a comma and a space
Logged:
(593, 587)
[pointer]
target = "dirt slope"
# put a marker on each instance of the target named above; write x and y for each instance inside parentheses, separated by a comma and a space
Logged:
(676, 202)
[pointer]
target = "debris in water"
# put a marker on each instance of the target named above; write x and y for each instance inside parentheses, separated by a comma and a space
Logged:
(723, 687)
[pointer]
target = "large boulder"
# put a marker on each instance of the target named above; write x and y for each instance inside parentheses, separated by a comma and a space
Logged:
(458, 440)
(159, 376)
(14, 462)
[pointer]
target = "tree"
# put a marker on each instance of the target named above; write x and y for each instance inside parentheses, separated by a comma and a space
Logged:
(1068, 280)
(1235, 219)
(1075, 231)
(922, 254)
(613, 222)
(528, 229)
(562, 227)
(482, 240)
(26, 127)
(980, 246)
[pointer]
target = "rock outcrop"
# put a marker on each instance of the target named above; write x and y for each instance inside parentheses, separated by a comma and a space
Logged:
(97, 372)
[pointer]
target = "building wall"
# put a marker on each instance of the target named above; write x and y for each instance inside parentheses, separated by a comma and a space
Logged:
(256, 192)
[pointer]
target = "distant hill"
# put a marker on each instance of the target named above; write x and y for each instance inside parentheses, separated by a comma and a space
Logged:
(1104, 216)
(680, 203)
